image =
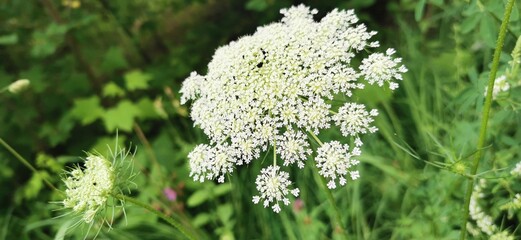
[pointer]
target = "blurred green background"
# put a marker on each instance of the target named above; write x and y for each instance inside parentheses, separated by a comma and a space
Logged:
(100, 66)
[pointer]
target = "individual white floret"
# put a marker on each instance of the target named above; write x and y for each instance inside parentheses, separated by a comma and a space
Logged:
(335, 162)
(191, 87)
(379, 68)
(293, 148)
(500, 85)
(273, 186)
(354, 119)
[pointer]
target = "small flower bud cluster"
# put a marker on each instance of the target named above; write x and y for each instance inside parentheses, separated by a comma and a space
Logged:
(88, 190)
(281, 86)
(18, 86)
(485, 222)
(500, 85)
(91, 188)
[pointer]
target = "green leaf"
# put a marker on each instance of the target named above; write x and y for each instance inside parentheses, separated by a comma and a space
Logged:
(111, 89)
(47, 41)
(147, 109)
(197, 198)
(470, 23)
(114, 59)
(222, 189)
(35, 75)
(121, 117)
(137, 80)
(57, 133)
(488, 31)
(225, 212)
(257, 5)
(201, 219)
(9, 39)
(418, 10)
(87, 110)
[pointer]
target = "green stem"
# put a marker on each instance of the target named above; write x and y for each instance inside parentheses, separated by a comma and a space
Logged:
(485, 114)
(28, 165)
(330, 196)
(170, 220)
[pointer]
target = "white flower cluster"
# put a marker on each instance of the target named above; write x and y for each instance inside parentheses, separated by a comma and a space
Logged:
(484, 222)
(517, 170)
(273, 187)
(92, 189)
(282, 84)
(88, 190)
(500, 85)
(334, 160)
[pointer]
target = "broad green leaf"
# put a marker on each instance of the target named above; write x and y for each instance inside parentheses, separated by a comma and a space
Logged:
(45, 42)
(201, 219)
(137, 80)
(113, 90)
(87, 110)
(8, 39)
(197, 198)
(470, 23)
(120, 117)
(225, 212)
(221, 189)
(146, 109)
(488, 30)
(114, 59)
(57, 133)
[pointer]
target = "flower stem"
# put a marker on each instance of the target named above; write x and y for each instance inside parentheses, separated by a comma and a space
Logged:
(330, 196)
(485, 115)
(170, 220)
(27, 164)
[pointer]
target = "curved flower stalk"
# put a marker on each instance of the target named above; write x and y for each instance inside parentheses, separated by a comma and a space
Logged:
(279, 88)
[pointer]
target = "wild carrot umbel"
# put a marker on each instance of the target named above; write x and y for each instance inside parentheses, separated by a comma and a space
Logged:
(485, 116)
(279, 88)
(101, 186)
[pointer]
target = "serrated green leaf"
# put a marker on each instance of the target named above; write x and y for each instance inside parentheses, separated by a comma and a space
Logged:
(120, 117)
(87, 110)
(113, 90)
(137, 80)
(197, 198)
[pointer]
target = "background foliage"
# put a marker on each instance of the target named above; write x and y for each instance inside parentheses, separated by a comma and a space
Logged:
(100, 66)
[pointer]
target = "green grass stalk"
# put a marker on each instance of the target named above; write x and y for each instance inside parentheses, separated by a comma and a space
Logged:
(28, 164)
(485, 116)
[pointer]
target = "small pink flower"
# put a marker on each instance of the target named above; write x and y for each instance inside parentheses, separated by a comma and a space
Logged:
(170, 194)
(298, 205)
